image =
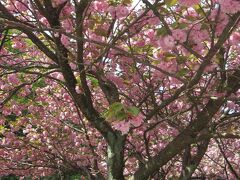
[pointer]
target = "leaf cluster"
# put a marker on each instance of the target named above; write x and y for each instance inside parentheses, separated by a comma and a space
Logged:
(118, 112)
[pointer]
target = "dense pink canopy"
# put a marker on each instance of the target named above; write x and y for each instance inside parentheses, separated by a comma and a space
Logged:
(120, 89)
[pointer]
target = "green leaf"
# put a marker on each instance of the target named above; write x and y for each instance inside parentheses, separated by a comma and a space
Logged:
(182, 25)
(101, 32)
(39, 84)
(25, 112)
(94, 81)
(19, 99)
(133, 110)
(182, 72)
(169, 56)
(117, 106)
(116, 112)
(178, 25)
(11, 117)
(127, 2)
(171, 3)
(2, 129)
(162, 31)
(121, 115)
(181, 59)
(198, 9)
(23, 100)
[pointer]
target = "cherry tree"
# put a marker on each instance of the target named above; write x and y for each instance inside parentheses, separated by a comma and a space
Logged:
(120, 89)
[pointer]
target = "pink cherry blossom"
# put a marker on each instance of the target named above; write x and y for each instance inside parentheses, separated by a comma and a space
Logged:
(100, 6)
(122, 126)
(189, 2)
(121, 11)
(137, 120)
(230, 6)
(108, 87)
(65, 40)
(167, 42)
(12, 78)
(179, 35)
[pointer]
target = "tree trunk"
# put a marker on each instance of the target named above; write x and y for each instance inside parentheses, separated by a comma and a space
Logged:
(115, 155)
(192, 163)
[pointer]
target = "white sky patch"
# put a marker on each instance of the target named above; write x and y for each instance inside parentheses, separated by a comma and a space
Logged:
(137, 4)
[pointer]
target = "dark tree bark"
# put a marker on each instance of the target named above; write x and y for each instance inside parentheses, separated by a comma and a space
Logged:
(115, 157)
(190, 163)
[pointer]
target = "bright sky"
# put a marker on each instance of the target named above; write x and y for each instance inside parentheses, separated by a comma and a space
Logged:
(137, 3)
